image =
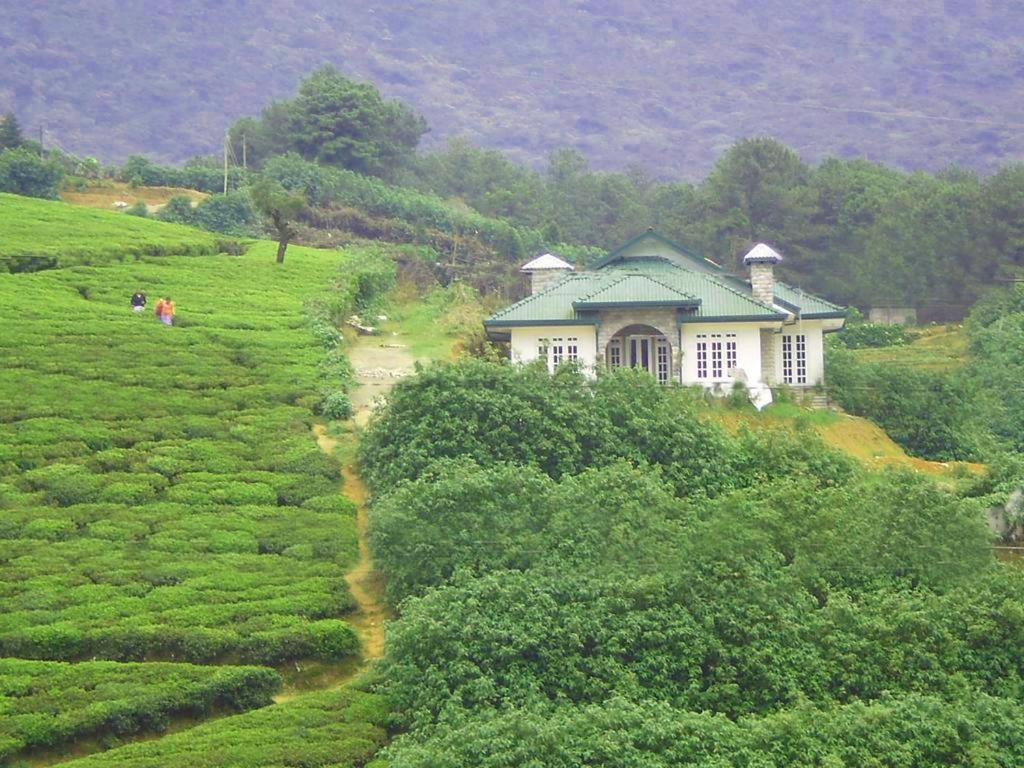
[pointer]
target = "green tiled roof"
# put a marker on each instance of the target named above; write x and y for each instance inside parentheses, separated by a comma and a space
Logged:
(805, 303)
(646, 281)
(634, 289)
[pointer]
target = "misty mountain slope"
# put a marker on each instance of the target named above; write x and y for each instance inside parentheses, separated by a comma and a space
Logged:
(666, 85)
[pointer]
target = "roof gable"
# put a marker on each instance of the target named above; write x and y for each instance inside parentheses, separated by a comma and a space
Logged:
(636, 290)
(653, 244)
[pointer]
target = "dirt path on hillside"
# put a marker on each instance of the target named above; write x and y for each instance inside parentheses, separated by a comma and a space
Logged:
(378, 366)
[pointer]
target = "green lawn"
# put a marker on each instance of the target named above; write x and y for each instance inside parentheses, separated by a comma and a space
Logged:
(43, 234)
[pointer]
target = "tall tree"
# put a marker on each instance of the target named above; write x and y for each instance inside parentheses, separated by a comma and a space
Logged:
(10, 132)
(335, 121)
(279, 208)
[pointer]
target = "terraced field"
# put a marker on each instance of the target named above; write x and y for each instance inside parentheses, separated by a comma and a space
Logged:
(43, 234)
(162, 495)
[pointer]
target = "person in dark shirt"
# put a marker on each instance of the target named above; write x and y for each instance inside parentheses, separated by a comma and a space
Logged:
(138, 301)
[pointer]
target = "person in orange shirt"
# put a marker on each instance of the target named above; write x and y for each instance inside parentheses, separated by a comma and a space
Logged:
(165, 310)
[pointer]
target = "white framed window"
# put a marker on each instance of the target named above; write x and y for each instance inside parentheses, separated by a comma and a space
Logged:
(572, 349)
(702, 355)
(794, 358)
(557, 352)
(615, 353)
(801, 358)
(730, 353)
(716, 356)
(662, 357)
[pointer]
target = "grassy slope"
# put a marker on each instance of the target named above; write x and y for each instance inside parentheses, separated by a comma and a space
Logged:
(104, 195)
(938, 348)
(37, 234)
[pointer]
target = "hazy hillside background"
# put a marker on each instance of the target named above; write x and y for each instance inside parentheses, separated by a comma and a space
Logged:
(666, 85)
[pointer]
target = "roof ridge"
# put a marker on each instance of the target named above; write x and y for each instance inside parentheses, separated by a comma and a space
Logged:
(604, 287)
(527, 299)
(722, 284)
(815, 296)
(669, 287)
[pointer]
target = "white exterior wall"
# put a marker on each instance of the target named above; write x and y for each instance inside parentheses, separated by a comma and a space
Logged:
(526, 342)
(748, 351)
(812, 330)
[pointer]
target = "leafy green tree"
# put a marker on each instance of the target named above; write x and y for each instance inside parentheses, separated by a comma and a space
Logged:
(336, 121)
(759, 190)
(23, 172)
(10, 132)
(279, 209)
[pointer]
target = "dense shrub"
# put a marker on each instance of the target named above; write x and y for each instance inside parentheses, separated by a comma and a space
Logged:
(932, 414)
(483, 410)
(24, 172)
(894, 732)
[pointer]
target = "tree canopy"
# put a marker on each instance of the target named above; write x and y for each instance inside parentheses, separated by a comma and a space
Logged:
(335, 121)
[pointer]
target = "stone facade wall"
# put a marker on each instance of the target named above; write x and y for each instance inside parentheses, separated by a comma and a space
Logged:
(768, 355)
(663, 320)
(893, 315)
(542, 278)
(762, 282)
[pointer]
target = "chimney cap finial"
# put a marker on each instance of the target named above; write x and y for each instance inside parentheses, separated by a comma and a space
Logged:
(762, 254)
(545, 262)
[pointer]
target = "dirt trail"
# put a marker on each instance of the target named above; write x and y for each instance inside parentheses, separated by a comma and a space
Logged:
(378, 367)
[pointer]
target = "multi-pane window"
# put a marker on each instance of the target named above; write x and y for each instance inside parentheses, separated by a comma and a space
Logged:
(572, 349)
(794, 358)
(801, 359)
(730, 353)
(716, 355)
(615, 353)
(702, 355)
(557, 352)
(662, 355)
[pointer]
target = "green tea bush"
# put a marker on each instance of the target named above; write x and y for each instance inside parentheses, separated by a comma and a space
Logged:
(49, 704)
(86, 236)
(337, 406)
(344, 728)
(163, 495)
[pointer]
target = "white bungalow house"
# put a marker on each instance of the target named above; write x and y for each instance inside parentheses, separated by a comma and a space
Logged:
(655, 305)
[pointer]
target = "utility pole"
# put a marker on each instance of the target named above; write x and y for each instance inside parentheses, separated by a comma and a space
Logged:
(245, 164)
(40, 140)
(225, 162)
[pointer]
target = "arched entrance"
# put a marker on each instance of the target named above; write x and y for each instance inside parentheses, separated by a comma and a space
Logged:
(643, 347)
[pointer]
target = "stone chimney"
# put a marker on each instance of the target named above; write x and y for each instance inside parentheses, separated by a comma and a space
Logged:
(545, 271)
(762, 260)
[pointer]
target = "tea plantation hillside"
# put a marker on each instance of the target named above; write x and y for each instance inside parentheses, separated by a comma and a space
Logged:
(42, 234)
(161, 494)
(48, 702)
